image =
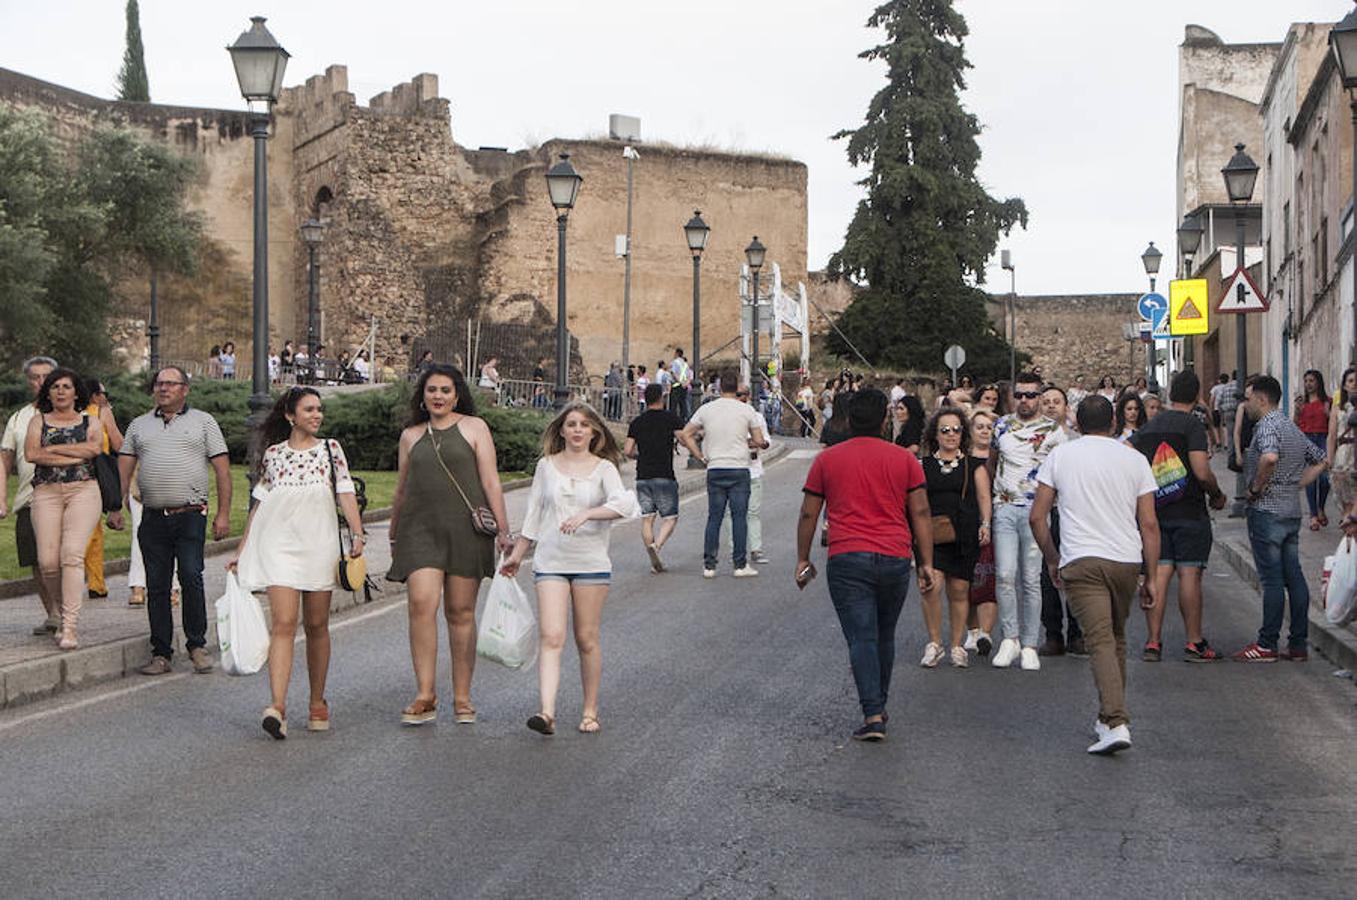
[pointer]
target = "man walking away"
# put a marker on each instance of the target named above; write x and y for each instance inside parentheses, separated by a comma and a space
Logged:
(877, 501)
(1105, 491)
(755, 539)
(175, 445)
(730, 430)
(1280, 461)
(12, 459)
(682, 374)
(650, 441)
(1176, 446)
(1022, 441)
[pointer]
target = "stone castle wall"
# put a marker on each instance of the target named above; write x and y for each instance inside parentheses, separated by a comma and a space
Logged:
(425, 234)
(1073, 335)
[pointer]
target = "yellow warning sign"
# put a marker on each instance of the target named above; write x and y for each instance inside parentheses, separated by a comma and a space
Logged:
(1188, 310)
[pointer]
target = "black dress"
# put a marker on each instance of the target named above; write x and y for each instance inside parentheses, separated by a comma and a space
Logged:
(958, 558)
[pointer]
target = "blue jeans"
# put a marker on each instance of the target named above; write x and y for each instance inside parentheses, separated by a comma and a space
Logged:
(726, 486)
(869, 590)
(1317, 491)
(1276, 553)
(164, 540)
(1017, 557)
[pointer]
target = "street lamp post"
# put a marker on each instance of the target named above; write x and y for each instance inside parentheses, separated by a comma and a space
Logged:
(696, 232)
(563, 186)
(260, 62)
(1151, 258)
(1240, 173)
(753, 256)
(1343, 43)
(1006, 262)
(1189, 240)
(313, 232)
(153, 327)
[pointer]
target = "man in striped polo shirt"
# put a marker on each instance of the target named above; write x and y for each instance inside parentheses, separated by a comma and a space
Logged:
(171, 450)
(1280, 461)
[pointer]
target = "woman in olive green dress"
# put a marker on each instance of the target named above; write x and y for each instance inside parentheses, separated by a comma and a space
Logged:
(434, 548)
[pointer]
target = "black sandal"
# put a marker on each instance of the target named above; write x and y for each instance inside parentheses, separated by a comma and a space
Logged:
(542, 723)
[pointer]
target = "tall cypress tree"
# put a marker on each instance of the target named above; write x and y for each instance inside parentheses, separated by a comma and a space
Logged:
(132, 81)
(919, 240)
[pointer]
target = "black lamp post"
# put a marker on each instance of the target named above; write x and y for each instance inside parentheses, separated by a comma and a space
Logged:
(1343, 42)
(260, 62)
(1151, 258)
(1189, 240)
(696, 232)
(1240, 173)
(563, 185)
(153, 327)
(753, 256)
(313, 232)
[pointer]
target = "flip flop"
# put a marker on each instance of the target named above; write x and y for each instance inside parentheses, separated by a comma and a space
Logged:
(542, 723)
(590, 725)
(275, 723)
(465, 715)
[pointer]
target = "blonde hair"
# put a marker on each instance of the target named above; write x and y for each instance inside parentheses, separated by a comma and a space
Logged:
(602, 445)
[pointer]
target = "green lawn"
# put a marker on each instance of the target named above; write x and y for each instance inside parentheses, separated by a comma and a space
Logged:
(380, 488)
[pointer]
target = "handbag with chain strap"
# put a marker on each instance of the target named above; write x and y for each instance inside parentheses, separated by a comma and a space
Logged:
(483, 520)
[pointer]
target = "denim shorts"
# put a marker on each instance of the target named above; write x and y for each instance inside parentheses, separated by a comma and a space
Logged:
(603, 578)
(658, 496)
(1185, 542)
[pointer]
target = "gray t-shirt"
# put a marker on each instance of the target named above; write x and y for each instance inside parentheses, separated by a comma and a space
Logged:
(173, 456)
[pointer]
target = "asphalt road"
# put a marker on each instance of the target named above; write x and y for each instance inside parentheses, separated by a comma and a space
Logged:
(723, 768)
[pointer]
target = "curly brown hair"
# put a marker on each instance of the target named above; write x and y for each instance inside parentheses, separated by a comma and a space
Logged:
(930, 441)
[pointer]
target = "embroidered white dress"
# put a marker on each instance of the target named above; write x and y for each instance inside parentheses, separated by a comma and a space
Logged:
(294, 538)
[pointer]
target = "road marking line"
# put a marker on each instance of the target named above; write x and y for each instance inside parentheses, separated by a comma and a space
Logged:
(72, 706)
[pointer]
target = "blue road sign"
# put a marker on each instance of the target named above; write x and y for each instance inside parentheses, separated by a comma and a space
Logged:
(1159, 327)
(1148, 303)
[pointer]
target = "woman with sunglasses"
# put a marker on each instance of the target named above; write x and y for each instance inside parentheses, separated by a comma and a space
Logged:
(958, 492)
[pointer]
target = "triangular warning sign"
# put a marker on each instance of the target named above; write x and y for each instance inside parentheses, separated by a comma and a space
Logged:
(1189, 310)
(1241, 295)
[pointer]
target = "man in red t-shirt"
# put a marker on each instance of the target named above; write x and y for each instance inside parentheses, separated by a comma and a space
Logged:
(879, 518)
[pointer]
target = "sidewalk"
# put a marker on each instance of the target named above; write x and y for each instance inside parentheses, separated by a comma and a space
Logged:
(1339, 645)
(114, 637)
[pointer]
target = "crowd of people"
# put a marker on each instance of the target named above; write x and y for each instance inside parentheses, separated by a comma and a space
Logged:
(1018, 509)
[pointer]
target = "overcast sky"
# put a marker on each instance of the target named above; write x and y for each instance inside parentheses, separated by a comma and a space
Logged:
(1078, 100)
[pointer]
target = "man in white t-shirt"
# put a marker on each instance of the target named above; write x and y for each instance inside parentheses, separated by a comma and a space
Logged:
(730, 430)
(1108, 532)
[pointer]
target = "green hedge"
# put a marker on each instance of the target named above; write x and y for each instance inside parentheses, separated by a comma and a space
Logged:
(367, 423)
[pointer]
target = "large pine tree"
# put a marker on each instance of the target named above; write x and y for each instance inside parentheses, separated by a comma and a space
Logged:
(919, 241)
(132, 81)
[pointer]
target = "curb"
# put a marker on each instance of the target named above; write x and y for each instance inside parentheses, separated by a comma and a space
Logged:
(1336, 644)
(38, 679)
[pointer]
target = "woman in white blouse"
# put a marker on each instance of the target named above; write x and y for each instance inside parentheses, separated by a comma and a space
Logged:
(291, 544)
(576, 493)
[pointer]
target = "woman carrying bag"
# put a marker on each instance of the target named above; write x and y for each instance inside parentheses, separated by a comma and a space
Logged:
(446, 517)
(959, 496)
(290, 543)
(576, 493)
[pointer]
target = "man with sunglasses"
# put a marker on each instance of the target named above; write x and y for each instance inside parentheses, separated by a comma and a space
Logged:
(1022, 441)
(175, 446)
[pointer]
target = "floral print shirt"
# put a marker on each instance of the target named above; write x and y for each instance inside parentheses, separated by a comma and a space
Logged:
(1020, 448)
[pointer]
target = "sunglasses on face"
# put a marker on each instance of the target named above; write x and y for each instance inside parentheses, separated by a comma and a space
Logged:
(949, 429)
(1026, 395)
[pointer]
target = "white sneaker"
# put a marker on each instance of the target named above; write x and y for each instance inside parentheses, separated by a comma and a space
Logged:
(1009, 650)
(1111, 740)
(747, 572)
(656, 564)
(960, 658)
(708, 573)
(972, 634)
(1031, 662)
(933, 655)
(1099, 727)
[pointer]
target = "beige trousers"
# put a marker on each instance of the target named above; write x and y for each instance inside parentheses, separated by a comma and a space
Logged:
(64, 517)
(1100, 593)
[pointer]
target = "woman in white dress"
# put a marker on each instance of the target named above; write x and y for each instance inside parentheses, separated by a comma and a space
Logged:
(576, 493)
(290, 546)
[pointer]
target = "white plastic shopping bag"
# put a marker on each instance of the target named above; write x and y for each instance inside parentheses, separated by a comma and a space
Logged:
(508, 632)
(241, 630)
(1340, 596)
